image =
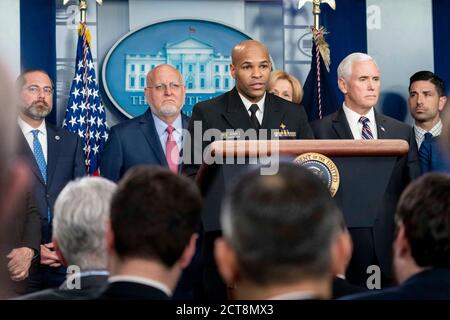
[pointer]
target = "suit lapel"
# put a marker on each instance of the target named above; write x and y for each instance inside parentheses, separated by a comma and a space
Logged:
(147, 126)
(340, 125)
(236, 115)
(53, 150)
(28, 154)
(381, 126)
(272, 114)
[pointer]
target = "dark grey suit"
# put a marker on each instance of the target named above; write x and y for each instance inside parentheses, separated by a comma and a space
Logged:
(373, 245)
(65, 162)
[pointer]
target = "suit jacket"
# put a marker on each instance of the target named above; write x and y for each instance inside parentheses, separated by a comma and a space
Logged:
(91, 286)
(65, 162)
(133, 142)
(431, 284)
(21, 229)
(335, 126)
(124, 290)
(227, 111)
(433, 156)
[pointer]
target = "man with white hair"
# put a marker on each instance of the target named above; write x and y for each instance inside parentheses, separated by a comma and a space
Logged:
(154, 137)
(81, 216)
(359, 81)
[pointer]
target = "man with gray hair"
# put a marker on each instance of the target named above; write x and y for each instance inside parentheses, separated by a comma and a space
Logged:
(359, 81)
(281, 236)
(81, 214)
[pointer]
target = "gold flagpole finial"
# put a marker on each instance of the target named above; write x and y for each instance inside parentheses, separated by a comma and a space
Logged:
(83, 8)
(316, 9)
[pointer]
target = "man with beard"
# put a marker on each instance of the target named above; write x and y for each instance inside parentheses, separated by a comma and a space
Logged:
(154, 137)
(55, 157)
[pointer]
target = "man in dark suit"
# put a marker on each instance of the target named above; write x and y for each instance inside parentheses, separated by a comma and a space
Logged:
(146, 139)
(426, 102)
(80, 219)
(248, 106)
(421, 247)
(55, 157)
(251, 112)
(154, 217)
(359, 81)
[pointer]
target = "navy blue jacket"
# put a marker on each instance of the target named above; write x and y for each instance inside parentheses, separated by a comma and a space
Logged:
(431, 284)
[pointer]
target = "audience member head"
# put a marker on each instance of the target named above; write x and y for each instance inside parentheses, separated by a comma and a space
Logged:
(285, 86)
(154, 218)
(250, 67)
(426, 98)
(359, 81)
(423, 226)
(80, 219)
(165, 92)
(279, 235)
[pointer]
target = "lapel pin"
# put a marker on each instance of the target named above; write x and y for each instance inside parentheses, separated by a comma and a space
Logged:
(57, 138)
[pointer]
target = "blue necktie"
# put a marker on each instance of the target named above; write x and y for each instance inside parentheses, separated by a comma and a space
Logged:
(366, 133)
(424, 153)
(40, 159)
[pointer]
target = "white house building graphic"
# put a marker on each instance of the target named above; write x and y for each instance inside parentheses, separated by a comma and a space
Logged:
(204, 70)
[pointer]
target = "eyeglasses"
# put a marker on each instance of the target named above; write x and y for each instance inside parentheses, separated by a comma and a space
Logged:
(36, 89)
(161, 87)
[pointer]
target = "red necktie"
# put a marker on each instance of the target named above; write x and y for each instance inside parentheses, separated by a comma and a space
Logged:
(172, 152)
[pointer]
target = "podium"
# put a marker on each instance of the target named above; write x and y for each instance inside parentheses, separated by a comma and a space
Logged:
(372, 177)
(365, 168)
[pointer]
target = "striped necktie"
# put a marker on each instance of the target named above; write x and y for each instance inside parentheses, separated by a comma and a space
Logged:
(366, 133)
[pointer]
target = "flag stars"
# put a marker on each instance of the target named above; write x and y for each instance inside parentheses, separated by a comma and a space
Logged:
(92, 120)
(73, 121)
(74, 107)
(81, 120)
(76, 92)
(77, 78)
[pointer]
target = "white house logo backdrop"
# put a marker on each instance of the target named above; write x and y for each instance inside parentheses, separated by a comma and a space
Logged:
(200, 50)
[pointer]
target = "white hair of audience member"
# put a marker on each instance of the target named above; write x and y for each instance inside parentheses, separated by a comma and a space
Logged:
(344, 69)
(81, 213)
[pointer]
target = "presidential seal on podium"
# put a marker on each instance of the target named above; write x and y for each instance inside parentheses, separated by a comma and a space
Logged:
(321, 166)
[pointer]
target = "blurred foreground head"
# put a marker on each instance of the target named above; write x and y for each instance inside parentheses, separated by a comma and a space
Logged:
(279, 235)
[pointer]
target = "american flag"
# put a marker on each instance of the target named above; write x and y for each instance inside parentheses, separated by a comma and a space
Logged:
(85, 113)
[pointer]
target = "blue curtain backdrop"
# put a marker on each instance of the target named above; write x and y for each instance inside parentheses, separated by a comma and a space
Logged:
(441, 39)
(347, 34)
(38, 39)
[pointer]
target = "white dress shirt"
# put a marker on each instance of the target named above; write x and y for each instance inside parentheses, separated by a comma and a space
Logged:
(356, 126)
(141, 280)
(247, 103)
(42, 136)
